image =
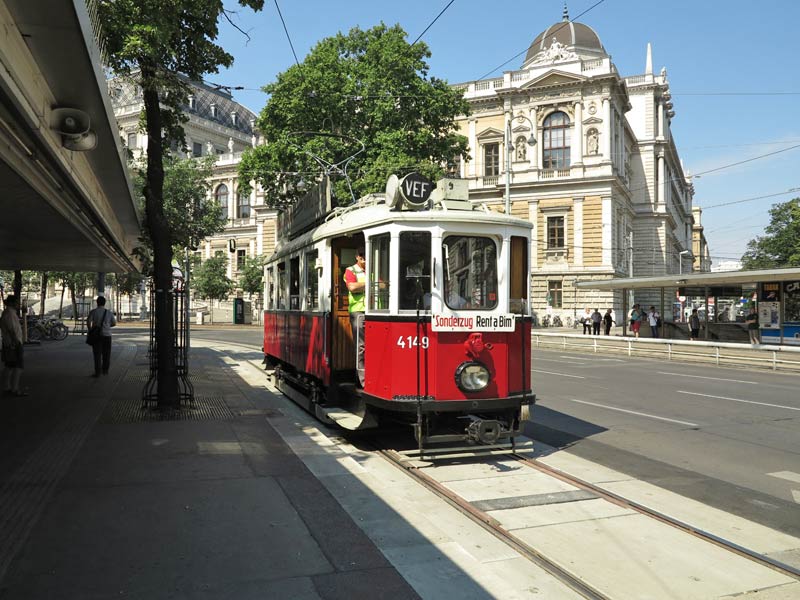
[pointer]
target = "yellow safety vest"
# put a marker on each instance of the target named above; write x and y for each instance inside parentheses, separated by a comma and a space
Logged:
(356, 301)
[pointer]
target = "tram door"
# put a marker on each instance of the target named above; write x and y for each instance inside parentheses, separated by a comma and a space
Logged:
(343, 355)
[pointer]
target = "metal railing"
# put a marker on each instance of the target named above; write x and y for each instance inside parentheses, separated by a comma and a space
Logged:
(763, 356)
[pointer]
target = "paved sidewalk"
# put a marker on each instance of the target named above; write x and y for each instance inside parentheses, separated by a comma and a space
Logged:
(97, 502)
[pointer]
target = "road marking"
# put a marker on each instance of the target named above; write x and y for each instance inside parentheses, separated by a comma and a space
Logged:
(702, 377)
(796, 495)
(562, 374)
(591, 359)
(740, 400)
(787, 475)
(561, 362)
(633, 412)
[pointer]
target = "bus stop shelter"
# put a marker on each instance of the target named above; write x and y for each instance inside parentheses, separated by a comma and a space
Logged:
(722, 300)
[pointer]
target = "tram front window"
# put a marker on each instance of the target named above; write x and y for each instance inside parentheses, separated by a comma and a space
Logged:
(470, 272)
(415, 270)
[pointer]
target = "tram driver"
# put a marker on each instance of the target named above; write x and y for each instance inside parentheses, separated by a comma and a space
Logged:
(355, 277)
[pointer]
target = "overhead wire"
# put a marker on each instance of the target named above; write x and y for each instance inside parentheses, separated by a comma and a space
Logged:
(432, 22)
(286, 29)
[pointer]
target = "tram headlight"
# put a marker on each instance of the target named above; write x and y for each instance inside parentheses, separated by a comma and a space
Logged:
(472, 376)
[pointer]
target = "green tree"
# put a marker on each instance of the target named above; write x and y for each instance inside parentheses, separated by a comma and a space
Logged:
(211, 280)
(163, 44)
(780, 244)
(191, 215)
(369, 85)
(251, 278)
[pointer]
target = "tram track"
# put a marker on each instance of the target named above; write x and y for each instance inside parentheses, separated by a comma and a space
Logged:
(568, 578)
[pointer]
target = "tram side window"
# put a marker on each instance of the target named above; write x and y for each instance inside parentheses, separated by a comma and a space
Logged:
(415, 270)
(519, 276)
(294, 283)
(470, 272)
(312, 281)
(280, 297)
(379, 273)
(270, 288)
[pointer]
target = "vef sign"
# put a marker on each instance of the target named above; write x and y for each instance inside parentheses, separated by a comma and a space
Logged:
(472, 322)
(415, 190)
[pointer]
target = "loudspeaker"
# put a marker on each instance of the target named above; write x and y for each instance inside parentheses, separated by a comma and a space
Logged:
(69, 122)
(80, 143)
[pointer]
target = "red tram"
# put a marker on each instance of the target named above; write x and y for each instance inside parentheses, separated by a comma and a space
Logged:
(447, 325)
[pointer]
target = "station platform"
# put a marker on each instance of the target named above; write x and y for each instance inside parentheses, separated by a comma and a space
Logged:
(99, 499)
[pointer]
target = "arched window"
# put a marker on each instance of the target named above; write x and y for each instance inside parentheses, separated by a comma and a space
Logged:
(555, 141)
(221, 195)
(242, 205)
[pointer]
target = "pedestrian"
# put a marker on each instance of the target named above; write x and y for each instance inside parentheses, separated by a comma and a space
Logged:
(752, 325)
(12, 348)
(694, 326)
(586, 320)
(654, 319)
(635, 319)
(104, 320)
(597, 318)
(608, 320)
(355, 277)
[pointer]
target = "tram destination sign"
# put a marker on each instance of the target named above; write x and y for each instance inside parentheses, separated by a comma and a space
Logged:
(472, 322)
(415, 190)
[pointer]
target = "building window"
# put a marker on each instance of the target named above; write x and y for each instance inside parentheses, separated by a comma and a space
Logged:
(555, 141)
(197, 149)
(241, 255)
(221, 196)
(243, 205)
(235, 119)
(131, 140)
(554, 294)
(192, 103)
(491, 160)
(555, 232)
(213, 110)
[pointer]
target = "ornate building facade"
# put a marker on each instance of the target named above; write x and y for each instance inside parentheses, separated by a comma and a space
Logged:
(221, 127)
(603, 184)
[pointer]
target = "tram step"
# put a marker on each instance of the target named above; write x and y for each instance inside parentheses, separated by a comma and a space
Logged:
(343, 418)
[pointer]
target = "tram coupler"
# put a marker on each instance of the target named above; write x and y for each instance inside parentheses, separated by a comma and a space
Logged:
(486, 431)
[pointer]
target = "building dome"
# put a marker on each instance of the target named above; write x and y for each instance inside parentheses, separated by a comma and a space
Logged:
(576, 37)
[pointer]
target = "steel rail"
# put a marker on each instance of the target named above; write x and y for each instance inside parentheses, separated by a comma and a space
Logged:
(761, 559)
(492, 526)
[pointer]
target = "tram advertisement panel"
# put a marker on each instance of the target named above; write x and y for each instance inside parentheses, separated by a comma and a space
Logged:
(472, 322)
(791, 299)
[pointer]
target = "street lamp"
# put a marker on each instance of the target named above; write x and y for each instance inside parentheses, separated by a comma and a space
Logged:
(680, 260)
(531, 142)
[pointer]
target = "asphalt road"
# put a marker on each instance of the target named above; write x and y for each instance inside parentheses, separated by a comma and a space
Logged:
(727, 437)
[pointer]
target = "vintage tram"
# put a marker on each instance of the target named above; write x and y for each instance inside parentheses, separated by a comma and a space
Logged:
(447, 334)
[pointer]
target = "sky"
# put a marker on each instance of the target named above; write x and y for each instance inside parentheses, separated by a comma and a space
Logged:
(732, 67)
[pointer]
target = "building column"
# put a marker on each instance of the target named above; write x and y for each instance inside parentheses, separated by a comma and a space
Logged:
(231, 198)
(260, 237)
(662, 183)
(577, 228)
(660, 119)
(533, 158)
(608, 231)
(607, 129)
(577, 138)
(533, 217)
(473, 149)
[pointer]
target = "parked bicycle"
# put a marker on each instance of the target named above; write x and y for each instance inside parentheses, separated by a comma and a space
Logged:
(546, 321)
(557, 321)
(48, 328)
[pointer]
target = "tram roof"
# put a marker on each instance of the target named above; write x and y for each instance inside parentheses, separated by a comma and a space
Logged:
(375, 213)
(694, 279)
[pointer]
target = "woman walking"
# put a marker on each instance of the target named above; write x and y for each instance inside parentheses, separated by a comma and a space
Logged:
(13, 356)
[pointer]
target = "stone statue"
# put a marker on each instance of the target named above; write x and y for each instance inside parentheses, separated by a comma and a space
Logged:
(209, 148)
(555, 52)
(592, 142)
(522, 151)
(230, 145)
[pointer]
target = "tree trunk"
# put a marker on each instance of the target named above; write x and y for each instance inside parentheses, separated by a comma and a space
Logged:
(167, 385)
(61, 304)
(44, 294)
(75, 314)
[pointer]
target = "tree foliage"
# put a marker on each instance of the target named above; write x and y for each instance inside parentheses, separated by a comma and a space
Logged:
(211, 280)
(780, 244)
(369, 85)
(191, 214)
(251, 277)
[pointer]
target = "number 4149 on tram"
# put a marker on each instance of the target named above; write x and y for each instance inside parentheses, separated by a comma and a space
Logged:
(447, 328)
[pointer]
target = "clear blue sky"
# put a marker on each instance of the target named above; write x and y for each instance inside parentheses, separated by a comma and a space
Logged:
(711, 49)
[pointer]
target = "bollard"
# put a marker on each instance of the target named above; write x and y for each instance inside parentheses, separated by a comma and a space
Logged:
(669, 351)
(774, 360)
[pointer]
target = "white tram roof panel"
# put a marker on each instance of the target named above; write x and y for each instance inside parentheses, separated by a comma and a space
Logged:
(372, 211)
